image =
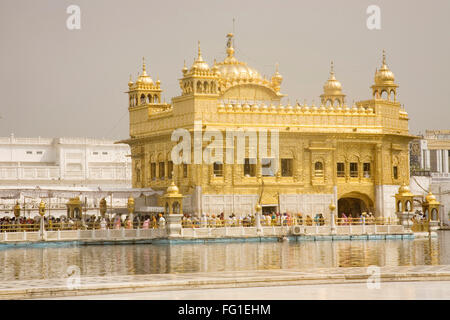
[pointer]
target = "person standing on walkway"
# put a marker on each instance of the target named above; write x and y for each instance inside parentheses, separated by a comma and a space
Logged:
(161, 222)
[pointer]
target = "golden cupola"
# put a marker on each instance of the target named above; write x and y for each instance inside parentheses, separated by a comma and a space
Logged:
(144, 90)
(144, 78)
(199, 64)
(332, 91)
(384, 87)
(200, 79)
(384, 75)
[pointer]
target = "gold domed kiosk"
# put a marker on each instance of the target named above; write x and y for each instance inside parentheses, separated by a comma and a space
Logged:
(384, 87)
(404, 201)
(430, 208)
(332, 91)
(173, 210)
(74, 209)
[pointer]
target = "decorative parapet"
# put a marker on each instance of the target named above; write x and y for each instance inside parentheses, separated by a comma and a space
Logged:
(298, 109)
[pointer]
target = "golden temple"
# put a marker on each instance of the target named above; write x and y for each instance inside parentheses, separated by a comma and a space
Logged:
(355, 157)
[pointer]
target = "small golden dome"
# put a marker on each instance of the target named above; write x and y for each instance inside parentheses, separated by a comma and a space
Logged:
(144, 77)
(404, 189)
(277, 78)
(130, 83)
(384, 75)
(332, 86)
(172, 189)
(185, 69)
(215, 68)
(430, 197)
(199, 64)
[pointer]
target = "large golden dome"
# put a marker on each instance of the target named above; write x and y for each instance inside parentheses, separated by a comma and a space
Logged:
(232, 69)
(384, 75)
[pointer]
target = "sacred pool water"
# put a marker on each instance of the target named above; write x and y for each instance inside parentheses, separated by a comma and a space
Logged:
(113, 260)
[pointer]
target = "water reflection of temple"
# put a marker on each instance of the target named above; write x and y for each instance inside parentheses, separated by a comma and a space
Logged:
(32, 263)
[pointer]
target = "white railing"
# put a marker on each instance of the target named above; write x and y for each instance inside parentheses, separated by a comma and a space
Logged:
(84, 235)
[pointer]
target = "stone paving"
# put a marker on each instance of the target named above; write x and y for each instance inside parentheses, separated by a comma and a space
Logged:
(407, 290)
(41, 288)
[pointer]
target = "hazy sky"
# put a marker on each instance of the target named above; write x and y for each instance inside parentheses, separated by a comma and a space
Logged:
(57, 82)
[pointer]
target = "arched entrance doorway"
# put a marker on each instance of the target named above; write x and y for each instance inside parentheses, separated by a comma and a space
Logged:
(354, 203)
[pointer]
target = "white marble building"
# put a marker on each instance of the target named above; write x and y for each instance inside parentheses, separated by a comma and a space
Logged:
(435, 152)
(63, 162)
(431, 155)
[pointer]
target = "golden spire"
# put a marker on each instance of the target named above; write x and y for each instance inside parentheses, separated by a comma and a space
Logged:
(332, 85)
(144, 77)
(384, 75)
(130, 83)
(230, 49)
(332, 71)
(199, 64)
(144, 72)
(199, 57)
(185, 69)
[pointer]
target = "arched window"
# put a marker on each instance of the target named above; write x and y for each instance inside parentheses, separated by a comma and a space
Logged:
(329, 103)
(392, 95)
(318, 169)
(199, 87)
(142, 98)
(213, 87)
(166, 209)
(434, 215)
(176, 208)
(399, 206)
(408, 206)
(384, 95)
(205, 87)
(337, 102)
(150, 99)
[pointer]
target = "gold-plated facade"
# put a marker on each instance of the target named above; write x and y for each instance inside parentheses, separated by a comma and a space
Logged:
(354, 157)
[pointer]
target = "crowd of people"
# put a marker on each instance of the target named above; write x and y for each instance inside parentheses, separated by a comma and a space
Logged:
(15, 224)
(154, 221)
(363, 218)
(249, 220)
